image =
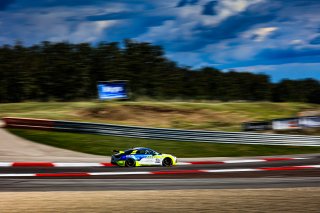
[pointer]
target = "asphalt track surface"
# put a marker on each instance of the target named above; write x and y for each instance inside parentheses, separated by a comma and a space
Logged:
(13, 148)
(228, 180)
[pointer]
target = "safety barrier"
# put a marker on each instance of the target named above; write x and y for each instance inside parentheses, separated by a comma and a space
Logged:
(28, 123)
(165, 134)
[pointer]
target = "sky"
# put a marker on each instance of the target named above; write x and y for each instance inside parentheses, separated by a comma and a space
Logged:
(280, 38)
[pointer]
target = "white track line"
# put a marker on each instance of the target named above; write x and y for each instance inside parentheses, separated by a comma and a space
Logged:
(168, 172)
(107, 164)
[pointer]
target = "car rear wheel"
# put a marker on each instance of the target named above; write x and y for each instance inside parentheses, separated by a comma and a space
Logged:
(130, 163)
(167, 162)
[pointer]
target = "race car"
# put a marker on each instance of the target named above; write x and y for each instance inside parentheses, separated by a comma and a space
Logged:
(141, 156)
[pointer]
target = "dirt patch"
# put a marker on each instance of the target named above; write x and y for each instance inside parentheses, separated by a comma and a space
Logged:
(158, 109)
(244, 200)
(168, 117)
(310, 112)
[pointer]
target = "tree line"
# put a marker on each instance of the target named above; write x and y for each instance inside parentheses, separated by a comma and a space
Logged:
(64, 71)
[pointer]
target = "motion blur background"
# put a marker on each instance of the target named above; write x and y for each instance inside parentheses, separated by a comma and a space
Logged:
(181, 49)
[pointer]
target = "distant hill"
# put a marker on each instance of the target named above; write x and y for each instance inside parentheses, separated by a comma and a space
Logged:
(226, 116)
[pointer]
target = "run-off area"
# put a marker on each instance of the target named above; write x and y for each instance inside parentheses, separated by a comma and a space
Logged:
(231, 200)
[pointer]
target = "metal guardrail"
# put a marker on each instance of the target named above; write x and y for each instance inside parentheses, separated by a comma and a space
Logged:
(189, 135)
(175, 134)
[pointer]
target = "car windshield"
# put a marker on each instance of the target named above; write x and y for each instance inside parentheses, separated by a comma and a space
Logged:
(151, 152)
(141, 151)
(128, 152)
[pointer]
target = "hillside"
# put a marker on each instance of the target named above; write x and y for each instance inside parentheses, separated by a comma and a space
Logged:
(226, 116)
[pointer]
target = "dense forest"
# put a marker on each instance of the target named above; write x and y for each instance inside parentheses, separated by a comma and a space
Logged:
(63, 71)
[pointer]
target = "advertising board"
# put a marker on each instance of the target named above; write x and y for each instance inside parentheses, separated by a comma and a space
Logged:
(309, 122)
(257, 126)
(112, 90)
(286, 123)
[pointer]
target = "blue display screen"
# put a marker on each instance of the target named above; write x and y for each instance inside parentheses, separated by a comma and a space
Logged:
(112, 90)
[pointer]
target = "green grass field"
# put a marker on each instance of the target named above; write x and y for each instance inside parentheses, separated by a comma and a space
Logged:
(103, 145)
(225, 116)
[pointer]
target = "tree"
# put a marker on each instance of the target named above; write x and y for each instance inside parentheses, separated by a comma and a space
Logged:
(65, 71)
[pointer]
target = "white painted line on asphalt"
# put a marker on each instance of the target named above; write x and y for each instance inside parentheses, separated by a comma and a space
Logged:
(107, 164)
(231, 170)
(311, 166)
(119, 173)
(167, 172)
(77, 164)
(183, 163)
(5, 164)
(17, 175)
(244, 161)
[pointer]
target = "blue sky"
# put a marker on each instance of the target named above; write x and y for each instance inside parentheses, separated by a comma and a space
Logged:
(280, 38)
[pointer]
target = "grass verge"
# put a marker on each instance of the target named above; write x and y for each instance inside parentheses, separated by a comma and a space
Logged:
(103, 145)
(222, 116)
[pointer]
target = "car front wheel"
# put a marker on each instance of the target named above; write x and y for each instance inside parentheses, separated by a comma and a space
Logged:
(167, 162)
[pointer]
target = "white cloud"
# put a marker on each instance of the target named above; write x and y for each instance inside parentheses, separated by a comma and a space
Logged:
(225, 52)
(190, 16)
(55, 24)
(227, 8)
(223, 9)
(260, 34)
(169, 31)
(85, 32)
(297, 42)
(254, 69)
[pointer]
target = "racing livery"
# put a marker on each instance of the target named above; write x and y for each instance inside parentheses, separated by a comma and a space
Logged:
(141, 156)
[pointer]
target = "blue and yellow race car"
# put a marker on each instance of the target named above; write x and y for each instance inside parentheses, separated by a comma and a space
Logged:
(142, 156)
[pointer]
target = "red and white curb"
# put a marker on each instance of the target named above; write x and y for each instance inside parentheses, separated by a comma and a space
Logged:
(105, 164)
(50, 164)
(240, 161)
(168, 172)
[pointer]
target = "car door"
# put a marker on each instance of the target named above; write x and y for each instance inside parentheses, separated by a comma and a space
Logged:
(144, 157)
(156, 157)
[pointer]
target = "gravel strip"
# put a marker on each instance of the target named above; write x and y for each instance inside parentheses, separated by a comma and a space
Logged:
(245, 200)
